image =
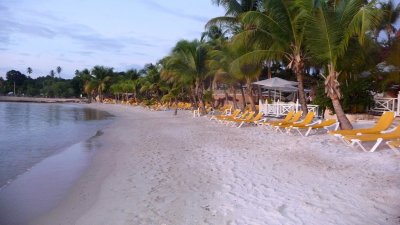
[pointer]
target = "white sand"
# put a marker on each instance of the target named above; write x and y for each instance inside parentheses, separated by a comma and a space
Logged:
(155, 168)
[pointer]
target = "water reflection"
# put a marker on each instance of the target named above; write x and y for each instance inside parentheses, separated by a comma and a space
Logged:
(30, 132)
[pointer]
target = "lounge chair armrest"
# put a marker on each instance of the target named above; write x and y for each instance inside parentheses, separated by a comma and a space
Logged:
(388, 131)
(314, 123)
(263, 120)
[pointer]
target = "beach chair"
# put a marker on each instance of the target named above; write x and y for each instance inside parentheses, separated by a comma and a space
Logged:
(394, 145)
(257, 118)
(383, 123)
(296, 117)
(269, 123)
(358, 140)
(249, 116)
(320, 124)
(239, 116)
(219, 117)
(288, 126)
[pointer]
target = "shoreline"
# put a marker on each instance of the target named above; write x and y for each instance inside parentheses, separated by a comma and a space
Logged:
(40, 100)
(154, 168)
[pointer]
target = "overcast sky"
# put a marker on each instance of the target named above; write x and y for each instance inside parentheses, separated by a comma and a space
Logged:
(123, 34)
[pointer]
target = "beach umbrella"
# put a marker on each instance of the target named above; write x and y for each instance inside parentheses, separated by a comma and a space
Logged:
(278, 84)
(275, 82)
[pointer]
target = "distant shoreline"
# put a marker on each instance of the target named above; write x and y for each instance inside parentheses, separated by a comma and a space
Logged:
(41, 100)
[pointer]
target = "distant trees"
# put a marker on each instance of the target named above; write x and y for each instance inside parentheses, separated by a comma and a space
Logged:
(29, 70)
(59, 69)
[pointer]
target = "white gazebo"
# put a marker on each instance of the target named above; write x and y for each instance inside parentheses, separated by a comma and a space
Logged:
(278, 108)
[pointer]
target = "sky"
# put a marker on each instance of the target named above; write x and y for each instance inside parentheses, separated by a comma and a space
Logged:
(72, 34)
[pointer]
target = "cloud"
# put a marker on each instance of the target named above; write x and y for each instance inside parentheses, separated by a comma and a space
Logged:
(87, 53)
(156, 6)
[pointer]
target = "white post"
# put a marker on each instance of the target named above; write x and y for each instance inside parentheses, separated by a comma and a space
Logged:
(398, 104)
(297, 105)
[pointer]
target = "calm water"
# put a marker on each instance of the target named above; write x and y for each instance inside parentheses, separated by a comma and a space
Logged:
(31, 132)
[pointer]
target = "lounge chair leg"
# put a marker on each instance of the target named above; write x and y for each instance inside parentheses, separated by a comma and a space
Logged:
(308, 131)
(378, 142)
(395, 150)
(288, 130)
(240, 125)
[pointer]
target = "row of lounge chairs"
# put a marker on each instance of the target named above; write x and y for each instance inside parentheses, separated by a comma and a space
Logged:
(293, 123)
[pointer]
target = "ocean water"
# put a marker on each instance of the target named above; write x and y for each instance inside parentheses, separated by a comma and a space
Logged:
(32, 132)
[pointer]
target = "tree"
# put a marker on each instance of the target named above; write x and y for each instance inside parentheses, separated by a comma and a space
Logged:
(189, 62)
(329, 28)
(52, 73)
(101, 75)
(29, 70)
(59, 69)
(279, 35)
(230, 21)
(15, 79)
(391, 13)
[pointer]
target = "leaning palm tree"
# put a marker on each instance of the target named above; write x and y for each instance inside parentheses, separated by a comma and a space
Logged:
(329, 28)
(277, 34)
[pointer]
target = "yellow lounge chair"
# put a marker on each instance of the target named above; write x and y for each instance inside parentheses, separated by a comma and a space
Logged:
(220, 117)
(296, 117)
(394, 145)
(243, 118)
(383, 123)
(325, 124)
(357, 140)
(240, 116)
(288, 126)
(286, 119)
(254, 120)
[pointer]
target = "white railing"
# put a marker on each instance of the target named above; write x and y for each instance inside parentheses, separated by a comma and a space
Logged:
(282, 108)
(387, 104)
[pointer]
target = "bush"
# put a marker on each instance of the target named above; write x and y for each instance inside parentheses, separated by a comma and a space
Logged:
(356, 96)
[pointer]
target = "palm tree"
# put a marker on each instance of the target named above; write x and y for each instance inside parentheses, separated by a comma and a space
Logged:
(189, 62)
(391, 13)
(101, 75)
(278, 34)
(29, 70)
(52, 73)
(59, 70)
(221, 60)
(234, 8)
(329, 28)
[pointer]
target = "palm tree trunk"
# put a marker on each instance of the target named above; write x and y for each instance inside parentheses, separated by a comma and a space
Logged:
(302, 96)
(250, 95)
(243, 96)
(235, 106)
(226, 97)
(176, 108)
(341, 116)
(199, 95)
(332, 90)
(298, 68)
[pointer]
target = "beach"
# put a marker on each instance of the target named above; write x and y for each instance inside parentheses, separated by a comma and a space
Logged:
(156, 168)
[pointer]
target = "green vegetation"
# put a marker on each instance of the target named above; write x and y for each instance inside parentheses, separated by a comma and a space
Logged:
(324, 45)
